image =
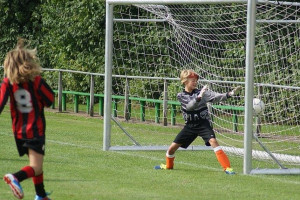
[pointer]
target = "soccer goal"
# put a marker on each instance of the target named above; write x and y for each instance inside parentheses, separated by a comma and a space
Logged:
(255, 44)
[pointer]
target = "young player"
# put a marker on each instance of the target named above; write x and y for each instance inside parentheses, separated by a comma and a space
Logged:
(197, 122)
(28, 94)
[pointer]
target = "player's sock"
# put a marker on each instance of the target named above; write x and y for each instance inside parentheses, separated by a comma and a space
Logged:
(222, 157)
(24, 173)
(39, 185)
(169, 161)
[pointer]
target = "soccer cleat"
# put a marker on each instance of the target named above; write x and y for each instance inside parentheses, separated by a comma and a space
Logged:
(14, 185)
(41, 198)
(229, 170)
(161, 166)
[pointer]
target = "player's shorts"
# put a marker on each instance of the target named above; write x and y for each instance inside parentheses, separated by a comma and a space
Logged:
(190, 132)
(36, 144)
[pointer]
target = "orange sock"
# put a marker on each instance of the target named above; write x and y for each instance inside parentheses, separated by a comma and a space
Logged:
(222, 157)
(170, 161)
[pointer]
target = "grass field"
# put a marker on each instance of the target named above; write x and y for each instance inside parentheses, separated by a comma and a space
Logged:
(76, 168)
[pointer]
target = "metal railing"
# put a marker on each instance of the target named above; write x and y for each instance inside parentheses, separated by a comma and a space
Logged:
(90, 98)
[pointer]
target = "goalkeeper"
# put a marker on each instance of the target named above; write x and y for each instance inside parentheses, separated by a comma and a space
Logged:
(197, 122)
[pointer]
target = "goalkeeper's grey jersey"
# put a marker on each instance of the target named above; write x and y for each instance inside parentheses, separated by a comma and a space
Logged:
(194, 110)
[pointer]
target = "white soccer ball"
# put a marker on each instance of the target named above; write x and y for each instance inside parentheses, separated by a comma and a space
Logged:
(258, 106)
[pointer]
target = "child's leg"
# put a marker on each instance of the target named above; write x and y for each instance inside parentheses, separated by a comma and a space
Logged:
(36, 161)
(222, 157)
(25, 173)
(170, 155)
(220, 154)
(169, 161)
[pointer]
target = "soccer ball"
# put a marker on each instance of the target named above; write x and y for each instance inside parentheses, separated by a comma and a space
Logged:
(258, 106)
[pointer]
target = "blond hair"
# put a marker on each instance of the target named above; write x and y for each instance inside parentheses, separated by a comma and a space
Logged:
(21, 64)
(188, 73)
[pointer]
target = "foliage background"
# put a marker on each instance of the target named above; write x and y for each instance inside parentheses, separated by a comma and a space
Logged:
(71, 35)
(67, 34)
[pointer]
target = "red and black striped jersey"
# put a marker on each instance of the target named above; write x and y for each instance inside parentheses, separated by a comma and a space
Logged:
(27, 102)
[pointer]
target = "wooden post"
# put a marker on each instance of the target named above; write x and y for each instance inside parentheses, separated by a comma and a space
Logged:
(235, 121)
(142, 110)
(157, 112)
(115, 107)
(101, 106)
(76, 103)
(165, 103)
(60, 84)
(126, 103)
(64, 102)
(173, 115)
(53, 104)
(87, 104)
(92, 84)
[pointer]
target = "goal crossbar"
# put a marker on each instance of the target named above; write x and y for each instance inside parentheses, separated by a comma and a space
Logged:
(165, 2)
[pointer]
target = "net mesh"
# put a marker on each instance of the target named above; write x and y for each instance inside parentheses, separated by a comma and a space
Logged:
(210, 39)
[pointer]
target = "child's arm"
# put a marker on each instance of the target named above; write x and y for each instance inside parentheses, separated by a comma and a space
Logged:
(4, 94)
(211, 96)
(46, 93)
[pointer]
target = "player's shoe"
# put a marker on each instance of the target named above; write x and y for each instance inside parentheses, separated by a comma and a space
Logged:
(161, 166)
(14, 185)
(229, 170)
(41, 198)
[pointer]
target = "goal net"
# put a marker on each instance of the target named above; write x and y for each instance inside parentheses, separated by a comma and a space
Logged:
(151, 44)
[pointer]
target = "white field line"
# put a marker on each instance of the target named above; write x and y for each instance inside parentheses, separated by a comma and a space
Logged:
(274, 178)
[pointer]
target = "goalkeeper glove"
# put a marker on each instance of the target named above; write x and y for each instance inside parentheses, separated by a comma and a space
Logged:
(235, 91)
(203, 90)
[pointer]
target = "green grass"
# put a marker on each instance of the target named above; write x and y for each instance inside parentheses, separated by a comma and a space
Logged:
(76, 168)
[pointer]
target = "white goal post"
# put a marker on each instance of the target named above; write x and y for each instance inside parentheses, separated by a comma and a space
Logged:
(208, 43)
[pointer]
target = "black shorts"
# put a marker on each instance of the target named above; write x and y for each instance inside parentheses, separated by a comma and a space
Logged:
(36, 144)
(190, 132)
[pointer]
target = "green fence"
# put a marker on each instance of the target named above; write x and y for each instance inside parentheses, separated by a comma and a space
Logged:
(142, 102)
